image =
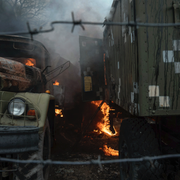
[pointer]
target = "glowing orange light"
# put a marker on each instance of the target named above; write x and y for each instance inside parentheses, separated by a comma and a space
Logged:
(58, 111)
(109, 151)
(104, 125)
(56, 83)
(30, 62)
(31, 112)
(48, 92)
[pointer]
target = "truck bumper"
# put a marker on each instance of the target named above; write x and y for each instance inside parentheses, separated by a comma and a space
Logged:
(18, 139)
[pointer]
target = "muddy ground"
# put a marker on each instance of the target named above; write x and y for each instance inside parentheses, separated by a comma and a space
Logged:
(67, 132)
(87, 149)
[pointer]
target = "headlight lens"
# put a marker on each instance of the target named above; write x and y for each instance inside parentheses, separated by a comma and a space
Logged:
(16, 107)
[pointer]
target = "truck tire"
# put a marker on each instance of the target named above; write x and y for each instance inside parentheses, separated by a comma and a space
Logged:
(36, 171)
(137, 139)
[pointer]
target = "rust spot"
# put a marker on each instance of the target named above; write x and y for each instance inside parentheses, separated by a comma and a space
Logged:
(13, 75)
(12, 67)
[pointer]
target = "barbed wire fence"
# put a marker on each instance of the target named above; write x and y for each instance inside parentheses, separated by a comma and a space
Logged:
(81, 23)
(95, 161)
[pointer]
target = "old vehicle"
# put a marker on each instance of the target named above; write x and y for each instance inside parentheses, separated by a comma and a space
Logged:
(26, 111)
(141, 79)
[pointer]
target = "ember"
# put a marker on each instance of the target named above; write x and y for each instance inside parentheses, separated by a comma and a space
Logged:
(104, 124)
(56, 83)
(109, 151)
(30, 62)
(58, 112)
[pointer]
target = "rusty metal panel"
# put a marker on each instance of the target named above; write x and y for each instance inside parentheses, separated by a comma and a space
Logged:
(22, 47)
(15, 76)
(92, 68)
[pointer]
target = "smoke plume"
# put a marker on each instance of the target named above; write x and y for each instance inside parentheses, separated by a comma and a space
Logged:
(65, 43)
(61, 43)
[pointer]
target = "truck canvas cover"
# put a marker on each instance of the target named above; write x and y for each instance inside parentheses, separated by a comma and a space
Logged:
(144, 61)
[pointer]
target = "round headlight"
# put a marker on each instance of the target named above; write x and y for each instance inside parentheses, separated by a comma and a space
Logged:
(16, 107)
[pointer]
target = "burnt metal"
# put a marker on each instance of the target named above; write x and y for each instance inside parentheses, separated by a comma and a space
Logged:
(17, 76)
(92, 68)
(111, 117)
(92, 118)
(45, 69)
(86, 127)
(57, 71)
(18, 139)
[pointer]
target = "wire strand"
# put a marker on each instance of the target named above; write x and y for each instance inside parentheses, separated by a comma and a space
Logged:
(98, 161)
(75, 23)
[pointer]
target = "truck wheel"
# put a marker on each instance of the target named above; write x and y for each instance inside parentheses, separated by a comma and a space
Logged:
(36, 171)
(137, 139)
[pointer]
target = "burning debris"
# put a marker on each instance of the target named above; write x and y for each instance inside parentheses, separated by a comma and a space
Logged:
(30, 62)
(58, 112)
(59, 98)
(108, 151)
(14, 75)
(100, 129)
(56, 83)
(104, 124)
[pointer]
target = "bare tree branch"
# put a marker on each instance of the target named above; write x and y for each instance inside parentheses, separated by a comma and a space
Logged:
(23, 9)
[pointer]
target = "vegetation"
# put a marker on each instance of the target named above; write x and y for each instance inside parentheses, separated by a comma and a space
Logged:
(14, 14)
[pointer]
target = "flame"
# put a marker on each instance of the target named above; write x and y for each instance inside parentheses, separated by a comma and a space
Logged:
(30, 62)
(109, 151)
(104, 126)
(58, 111)
(97, 131)
(56, 83)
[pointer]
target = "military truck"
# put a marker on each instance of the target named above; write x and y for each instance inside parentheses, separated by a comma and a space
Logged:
(27, 108)
(140, 78)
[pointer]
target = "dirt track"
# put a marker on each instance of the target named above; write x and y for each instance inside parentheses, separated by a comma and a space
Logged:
(89, 148)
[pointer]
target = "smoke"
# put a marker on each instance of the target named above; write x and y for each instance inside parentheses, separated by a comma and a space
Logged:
(61, 43)
(14, 14)
(110, 15)
(61, 40)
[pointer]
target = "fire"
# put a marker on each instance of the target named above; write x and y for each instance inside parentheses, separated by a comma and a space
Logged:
(56, 83)
(30, 62)
(109, 151)
(104, 126)
(58, 111)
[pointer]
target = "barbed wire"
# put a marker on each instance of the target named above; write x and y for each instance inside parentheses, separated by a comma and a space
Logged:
(81, 23)
(98, 161)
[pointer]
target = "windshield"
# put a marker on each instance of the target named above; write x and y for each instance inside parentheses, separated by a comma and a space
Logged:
(28, 54)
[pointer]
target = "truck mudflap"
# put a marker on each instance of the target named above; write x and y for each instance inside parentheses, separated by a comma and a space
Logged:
(18, 139)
